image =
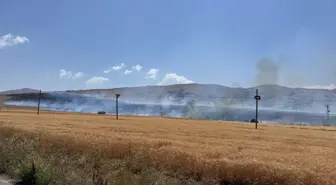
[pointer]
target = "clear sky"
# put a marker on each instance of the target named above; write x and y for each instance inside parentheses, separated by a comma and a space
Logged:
(78, 44)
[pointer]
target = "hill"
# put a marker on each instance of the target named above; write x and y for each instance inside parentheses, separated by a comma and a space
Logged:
(272, 95)
(199, 101)
(19, 91)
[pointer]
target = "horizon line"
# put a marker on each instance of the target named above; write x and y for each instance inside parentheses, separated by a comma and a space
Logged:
(313, 87)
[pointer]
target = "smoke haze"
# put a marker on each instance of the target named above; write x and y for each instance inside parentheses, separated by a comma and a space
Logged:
(267, 72)
(233, 104)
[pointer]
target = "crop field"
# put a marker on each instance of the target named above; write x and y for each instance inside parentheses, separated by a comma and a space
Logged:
(211, 149)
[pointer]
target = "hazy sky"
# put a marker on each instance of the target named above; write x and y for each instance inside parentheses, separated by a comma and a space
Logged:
(78, 44)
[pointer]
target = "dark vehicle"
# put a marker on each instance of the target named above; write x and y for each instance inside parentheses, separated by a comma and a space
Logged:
(254, 120)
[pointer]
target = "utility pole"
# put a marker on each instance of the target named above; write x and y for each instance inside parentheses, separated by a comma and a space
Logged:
(161, 111)
(117, 111)
(257, 98)
(38, 103)
(328, 112)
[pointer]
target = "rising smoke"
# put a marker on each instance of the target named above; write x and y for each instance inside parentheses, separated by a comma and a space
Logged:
(267, 72)
(319, 70)
(226, 108)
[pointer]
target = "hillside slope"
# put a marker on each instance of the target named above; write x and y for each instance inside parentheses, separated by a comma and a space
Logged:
(198, 101)
(19, 91)
(273, 96)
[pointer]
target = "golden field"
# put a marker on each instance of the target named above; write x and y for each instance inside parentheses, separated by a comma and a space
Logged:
(208, 149)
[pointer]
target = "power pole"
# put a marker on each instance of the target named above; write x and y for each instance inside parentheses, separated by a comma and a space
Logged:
(328, 112)
(257, 98)
(161, 111)
(38, 103)
(117, 111)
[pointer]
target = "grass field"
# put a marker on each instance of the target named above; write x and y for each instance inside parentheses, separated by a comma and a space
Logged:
(205, 151)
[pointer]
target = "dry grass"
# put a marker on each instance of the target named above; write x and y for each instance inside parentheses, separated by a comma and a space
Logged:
(206, 151)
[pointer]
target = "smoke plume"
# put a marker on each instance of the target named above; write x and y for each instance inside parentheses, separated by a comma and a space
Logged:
(226, 109)
(267, 72)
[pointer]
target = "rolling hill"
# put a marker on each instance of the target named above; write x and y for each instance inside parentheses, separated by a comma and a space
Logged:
(272, 96)
(199, 101)
(19, 91)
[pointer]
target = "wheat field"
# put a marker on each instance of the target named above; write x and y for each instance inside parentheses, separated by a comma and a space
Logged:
(205, 147)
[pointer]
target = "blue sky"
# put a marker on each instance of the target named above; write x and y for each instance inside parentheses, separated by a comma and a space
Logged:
(57, 45)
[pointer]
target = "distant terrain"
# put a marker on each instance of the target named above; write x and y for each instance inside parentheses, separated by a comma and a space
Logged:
(19, 91)
(199, 101)
(273, 96)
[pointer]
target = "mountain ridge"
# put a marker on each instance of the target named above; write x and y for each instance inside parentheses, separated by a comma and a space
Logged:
(174, 86)
(272, 95)
(221, 98)
(19, 91)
